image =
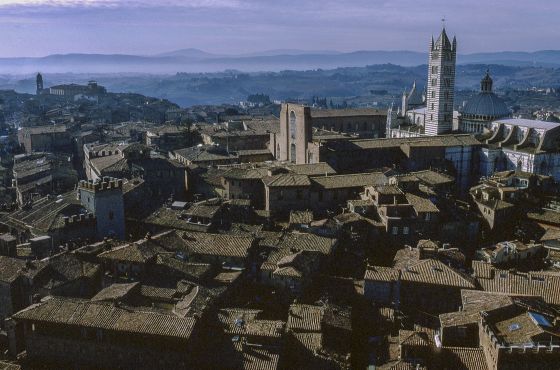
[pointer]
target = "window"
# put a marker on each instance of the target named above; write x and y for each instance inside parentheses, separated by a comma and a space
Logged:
(405, 230)
(428, 217)
(280, 195)
(433, 94)
(432, 106)
(434, 81)
(292, 125)
(447, 82)
(395, 230)
(434, 69)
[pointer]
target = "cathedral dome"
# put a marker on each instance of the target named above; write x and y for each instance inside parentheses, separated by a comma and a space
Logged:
(486, 105)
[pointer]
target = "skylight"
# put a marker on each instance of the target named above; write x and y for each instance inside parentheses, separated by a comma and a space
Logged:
(539, 319)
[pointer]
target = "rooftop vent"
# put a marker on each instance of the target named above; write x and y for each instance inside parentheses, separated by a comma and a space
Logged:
(514, 327)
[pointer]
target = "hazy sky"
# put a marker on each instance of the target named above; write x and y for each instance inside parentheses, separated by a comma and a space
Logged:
(41, 27)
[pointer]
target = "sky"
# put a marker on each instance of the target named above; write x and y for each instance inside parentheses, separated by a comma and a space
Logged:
(147, 27)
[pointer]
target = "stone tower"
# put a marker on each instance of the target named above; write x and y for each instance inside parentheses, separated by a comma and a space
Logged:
(441, 85)
(104, 199)
(39, 83)
(295, 134)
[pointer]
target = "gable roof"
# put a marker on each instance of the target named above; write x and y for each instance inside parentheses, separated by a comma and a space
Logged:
(534, 283)
(85, 313)
(434, 272)
(10, 268)
(286, 180)
(137, 252)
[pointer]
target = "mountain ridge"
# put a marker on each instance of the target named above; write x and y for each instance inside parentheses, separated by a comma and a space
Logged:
(196, 60)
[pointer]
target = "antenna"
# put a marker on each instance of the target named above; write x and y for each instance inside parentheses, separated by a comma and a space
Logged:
(443, 22)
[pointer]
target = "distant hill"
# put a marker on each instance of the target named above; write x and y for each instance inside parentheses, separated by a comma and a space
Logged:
(368, 82)
(194, 60)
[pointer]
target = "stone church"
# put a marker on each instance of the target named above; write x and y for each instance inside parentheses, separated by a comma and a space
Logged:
(303, 130)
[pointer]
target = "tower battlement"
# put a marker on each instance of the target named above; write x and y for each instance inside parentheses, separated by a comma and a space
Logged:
(107, 183)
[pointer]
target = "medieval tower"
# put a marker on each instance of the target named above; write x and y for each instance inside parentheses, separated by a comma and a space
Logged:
(441, 85)
(39, 83)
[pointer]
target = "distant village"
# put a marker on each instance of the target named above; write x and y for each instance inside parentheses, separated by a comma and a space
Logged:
(135, 234)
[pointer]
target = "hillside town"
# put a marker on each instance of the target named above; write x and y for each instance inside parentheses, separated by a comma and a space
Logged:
(136, 234)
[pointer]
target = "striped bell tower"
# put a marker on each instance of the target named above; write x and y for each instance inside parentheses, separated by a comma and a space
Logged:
(441, 85)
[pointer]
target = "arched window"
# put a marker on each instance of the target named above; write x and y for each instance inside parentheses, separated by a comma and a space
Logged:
(293, 153)
(292, 125)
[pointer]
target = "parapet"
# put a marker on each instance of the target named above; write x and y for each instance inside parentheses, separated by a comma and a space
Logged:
(107, 183)
(78, 219)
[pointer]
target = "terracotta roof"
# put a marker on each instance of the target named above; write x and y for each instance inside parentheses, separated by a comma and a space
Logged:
(304, 318)
(238, 321)
(414, 338)
(301, 217)
(10, 268)
(137, 252)
(203, 210)
(434, 141)
(315, 169)
(355, 112)
(9, 366)
(434, 272)
(84, 313)
(350, 181)
(547, 217)
(402, 365)
(514, 325)
(286, 180)
(379, 273)
(463, 358)
(218, 244)
(257, 358)
(307, 242)
(61, 269)
(245, 173)
(551, 234)
(433, 178)
(421, 204)
(479, 300)
(543, 284)
(114, 292)
(311, 341)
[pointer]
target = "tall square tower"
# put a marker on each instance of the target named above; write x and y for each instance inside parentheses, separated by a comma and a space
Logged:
(441, 85)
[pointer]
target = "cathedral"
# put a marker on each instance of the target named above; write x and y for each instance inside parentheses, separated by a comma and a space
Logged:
(507, 143)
